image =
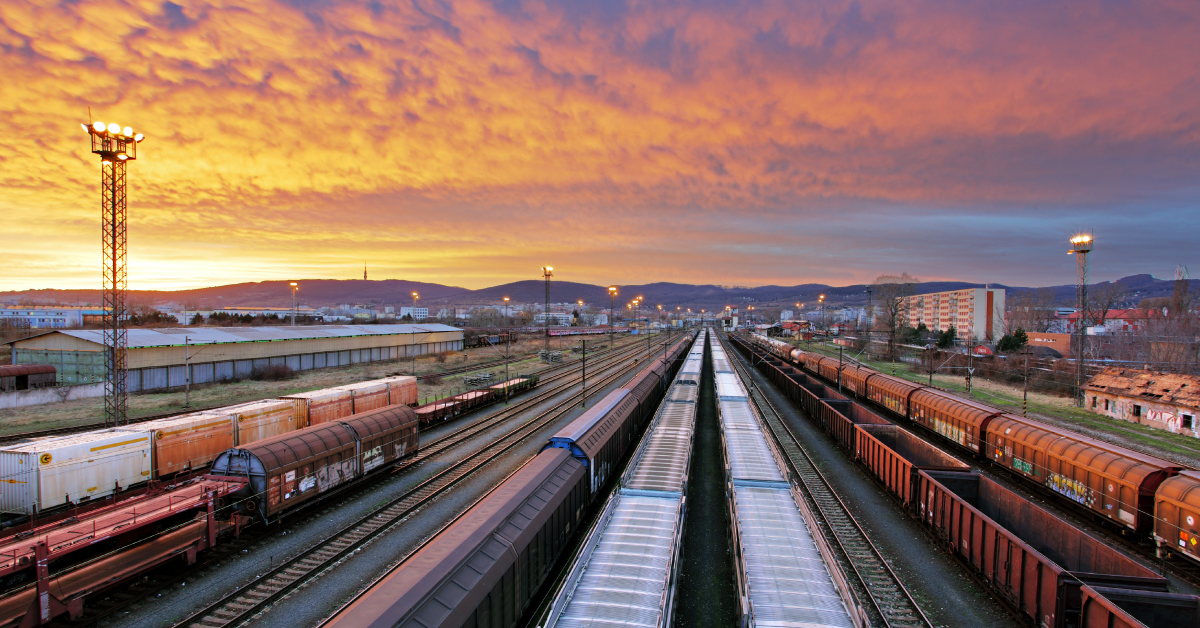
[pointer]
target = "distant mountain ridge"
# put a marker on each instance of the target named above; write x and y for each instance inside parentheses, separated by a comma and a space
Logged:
(398, 292)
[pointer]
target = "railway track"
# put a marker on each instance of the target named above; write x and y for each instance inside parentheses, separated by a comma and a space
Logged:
(873, 580)
(255, 597)
(1185, 570)
(156, 580)
(75, 429)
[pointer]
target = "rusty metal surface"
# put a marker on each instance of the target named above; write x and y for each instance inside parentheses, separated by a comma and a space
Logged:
(960, 420)
(1094, 474)
(891, 392)
(995, 531)
(13, 370)
(264, 419)
(322, 406)
(179, 544)
(188, 442)
(1177, 506)
(68, 536)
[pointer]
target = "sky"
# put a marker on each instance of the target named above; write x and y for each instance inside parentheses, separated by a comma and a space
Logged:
(471, 142)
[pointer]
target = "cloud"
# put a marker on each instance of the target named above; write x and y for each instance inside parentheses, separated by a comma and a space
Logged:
(432, 136)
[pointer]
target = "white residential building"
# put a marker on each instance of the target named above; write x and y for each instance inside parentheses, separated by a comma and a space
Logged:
(977, 312)
(417, 313)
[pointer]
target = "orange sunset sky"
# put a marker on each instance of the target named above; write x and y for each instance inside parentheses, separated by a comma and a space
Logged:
(470, 142)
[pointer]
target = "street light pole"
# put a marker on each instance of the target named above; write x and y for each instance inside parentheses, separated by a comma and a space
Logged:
(612, 295)
(294, 286)
(413, 336)
(547, 273)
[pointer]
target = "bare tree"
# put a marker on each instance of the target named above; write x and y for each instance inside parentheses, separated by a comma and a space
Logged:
(1031, 310)
(893, 292)
(1103, 299)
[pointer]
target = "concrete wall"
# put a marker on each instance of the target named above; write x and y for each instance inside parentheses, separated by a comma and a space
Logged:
(39, 396)
(1147, 412)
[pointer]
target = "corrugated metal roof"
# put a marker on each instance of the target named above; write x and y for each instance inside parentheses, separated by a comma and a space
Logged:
(1172, 388)
(662, 463)
(173, 336)
(788, 582)
(626, 575)
(729, 386)
(750, 457)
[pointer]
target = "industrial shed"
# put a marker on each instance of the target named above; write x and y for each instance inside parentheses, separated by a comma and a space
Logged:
(159, 358)
(1167, 401)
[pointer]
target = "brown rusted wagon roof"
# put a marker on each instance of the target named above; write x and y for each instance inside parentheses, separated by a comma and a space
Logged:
(12, 370)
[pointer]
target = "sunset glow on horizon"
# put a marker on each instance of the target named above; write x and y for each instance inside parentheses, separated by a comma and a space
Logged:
(470, 143)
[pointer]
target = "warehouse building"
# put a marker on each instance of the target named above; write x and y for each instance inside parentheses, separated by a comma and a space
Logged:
(161, 358)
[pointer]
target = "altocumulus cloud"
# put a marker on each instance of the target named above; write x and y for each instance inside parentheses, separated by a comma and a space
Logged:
(300, 137)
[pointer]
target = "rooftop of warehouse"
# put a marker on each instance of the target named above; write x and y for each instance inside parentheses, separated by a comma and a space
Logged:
(1171, 388)
(174, 336)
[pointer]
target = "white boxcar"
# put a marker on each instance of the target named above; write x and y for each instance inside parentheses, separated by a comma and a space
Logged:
(50, 472)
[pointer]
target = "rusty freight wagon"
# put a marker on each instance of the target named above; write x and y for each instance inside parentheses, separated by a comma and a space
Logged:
(188, 442)
(288, 470)
(996, 531)
(1177, 521)
(1111, 481)
(894, 456)
(27, 376)
(322, 406)
(368, 396)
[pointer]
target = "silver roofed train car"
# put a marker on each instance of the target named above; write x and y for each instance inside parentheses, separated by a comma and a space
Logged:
(626, 572)
(783, 580)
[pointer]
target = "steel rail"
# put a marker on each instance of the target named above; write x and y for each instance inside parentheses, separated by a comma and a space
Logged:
(254, 597)
(116, 600)
(1078, 516)
(75, 429)
(877, 582)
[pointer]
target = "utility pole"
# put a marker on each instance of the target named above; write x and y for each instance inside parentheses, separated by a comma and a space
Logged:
(116, 146)
(187, 374)
(1025, 394)
(583, 402)
(507, 343)
(839, 367)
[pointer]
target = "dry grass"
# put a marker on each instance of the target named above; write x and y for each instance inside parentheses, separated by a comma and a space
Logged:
(523, 361)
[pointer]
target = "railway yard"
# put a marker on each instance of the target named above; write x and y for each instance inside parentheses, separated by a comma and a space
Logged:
(705, 480)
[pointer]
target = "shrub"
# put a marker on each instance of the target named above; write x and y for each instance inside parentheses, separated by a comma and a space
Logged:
(433, 379)
(273, 373)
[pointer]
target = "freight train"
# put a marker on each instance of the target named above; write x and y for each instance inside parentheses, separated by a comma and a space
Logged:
(44, 474)
(487, 566)
(1152, 498)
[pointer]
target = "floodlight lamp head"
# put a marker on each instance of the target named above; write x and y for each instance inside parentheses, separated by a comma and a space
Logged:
(1081, 243)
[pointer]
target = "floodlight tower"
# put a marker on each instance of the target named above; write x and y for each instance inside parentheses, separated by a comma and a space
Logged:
(115, 145)
(1081, 245)
(294, 286)
(547, 273)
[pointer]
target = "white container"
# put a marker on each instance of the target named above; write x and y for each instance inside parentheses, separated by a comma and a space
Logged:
(46, 473)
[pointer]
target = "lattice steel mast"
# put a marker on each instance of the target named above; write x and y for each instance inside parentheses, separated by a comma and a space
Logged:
(1081, 245)
(115, 145)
